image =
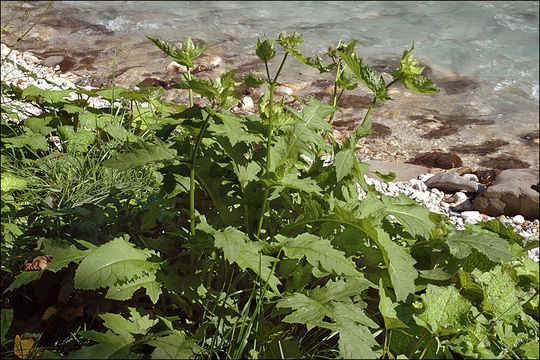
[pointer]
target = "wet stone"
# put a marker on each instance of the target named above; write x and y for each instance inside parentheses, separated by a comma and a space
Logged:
(380, 130)
(437, 160)
(443, 131)
(487, 147)
(504, 162)
(487, 176)
(457, 85)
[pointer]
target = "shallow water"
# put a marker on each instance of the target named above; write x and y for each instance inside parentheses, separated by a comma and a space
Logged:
(483, 55)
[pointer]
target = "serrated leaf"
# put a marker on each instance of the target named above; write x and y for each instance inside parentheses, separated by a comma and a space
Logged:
(496, 283)
(387, 309)
(202, 87)
(33, 141)
(174, 346)
(356, 341)
(62, 254)
(110, 346)
(414, 217)
(265, 49)
(400, 266)
(445, 310)
(180, 56)
(409, 72)
(239, 249)
(363, 73)
(462, 242)
(114, 262)
(343, 162)
(141, 153)
(125, 291)
(318, 252)
(252, 80)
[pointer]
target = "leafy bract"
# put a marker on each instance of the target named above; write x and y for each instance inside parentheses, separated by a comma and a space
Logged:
(363, 73)
(113, 263)
(409, 72)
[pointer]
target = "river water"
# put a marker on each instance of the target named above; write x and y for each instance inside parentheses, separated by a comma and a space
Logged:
(485, 54)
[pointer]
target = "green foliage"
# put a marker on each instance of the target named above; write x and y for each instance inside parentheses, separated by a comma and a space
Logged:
(184, 230)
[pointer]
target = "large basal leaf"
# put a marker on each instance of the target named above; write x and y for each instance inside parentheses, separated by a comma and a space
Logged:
(445, 310)
(400, 266)
(461, 244)
(11, 182)
(22, 279)
(355, 341)
(125, 291)
(141, 153)
(33, 141)
(6, 318)
(239, 249)
(112, 263)
(110, 346)
(318, 252)
(63, 254)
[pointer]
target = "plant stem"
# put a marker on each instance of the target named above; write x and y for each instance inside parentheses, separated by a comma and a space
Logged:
(192, 176)
(190, 92)
(369, 111)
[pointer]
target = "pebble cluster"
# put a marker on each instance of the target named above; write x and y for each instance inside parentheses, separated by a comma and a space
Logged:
(456, 206)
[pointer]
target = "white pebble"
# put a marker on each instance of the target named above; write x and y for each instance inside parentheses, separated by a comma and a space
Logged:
(471, 217)
(518, 219)
(470, 177)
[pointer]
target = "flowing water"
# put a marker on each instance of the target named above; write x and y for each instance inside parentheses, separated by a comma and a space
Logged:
(483, 54)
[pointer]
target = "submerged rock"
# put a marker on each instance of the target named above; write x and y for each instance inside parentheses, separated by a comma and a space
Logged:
(438, 160)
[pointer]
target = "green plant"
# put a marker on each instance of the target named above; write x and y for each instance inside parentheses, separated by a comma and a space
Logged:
(250, 250)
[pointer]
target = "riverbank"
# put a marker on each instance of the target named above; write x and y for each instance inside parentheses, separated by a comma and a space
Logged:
(454, 204)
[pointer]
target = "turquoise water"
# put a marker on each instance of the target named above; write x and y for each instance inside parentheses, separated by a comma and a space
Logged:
(495, 43)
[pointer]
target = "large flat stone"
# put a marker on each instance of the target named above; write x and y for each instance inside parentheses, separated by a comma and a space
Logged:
(511, 193)
(404, 172)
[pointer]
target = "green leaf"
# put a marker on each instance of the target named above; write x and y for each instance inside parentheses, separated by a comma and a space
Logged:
(387, 309)
(136, 324)
(23, 278)
(33, 141)
(125, 291)
(343, 162)
(318, 252)
(78, 141)
(414, 217)
(363, 73)
(252, 80)
(180, 56)
(315, 62)
(445, 310)
(111, 93)
(400, 266)
(495, 283)
(292, 40)
(174, 346)
(355, 341)
(62, 254)
(141, 153)
(202, 87)
(110, 346)
(386, 177)
(462, 242)
(11, 182)
(246, 254)
(265, 49)
(53, 96)
(112, 263)
(409, 72)
(7, 317)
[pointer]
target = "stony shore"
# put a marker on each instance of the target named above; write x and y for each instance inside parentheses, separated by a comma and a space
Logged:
(384, 152)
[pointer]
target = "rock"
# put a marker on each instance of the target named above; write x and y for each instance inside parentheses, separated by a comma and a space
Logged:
(451, 182)
(283, 90)
(471, 217)
(518, 219)
(404, 172)
(30, 59)
(247, 103)
(98, 81)
(175, 67)
(487, 176)
(438, 160)
(151, 82)
(504, 162)
(459, 197)
(511, 194)
(470, 177)
(206, 63)
(52, 61)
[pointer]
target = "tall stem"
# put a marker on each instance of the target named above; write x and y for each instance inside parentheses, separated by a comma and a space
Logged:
(190, 91)
(269, 139)
(192, 176)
